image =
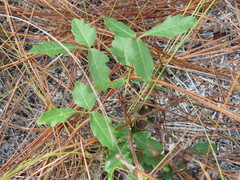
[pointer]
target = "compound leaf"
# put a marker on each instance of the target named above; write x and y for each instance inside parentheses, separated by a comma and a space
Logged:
(51, 48)
(172, 26)
(54, 116)
(84, 34)
(102, 129)
(82, 96)
(119, 28)
(98, 69)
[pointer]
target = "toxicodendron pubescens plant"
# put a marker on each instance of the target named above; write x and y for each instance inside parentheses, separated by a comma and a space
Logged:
(128, 49)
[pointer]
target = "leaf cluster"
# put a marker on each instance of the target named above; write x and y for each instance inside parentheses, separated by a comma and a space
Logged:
(129, 50)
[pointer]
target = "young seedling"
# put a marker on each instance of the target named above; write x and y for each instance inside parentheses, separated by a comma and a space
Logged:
(128, 49)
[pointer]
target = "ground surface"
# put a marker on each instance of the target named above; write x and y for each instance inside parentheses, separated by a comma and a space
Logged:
(206, 64)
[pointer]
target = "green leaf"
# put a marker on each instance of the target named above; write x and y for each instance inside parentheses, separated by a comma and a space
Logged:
(143, 62)
(167, 168)
(172, 26)
(160, 88)
(119, 28)
(102, 129)
(54, 116)
(121, 133)
(144, 142)
(180, 164)
(168, 175)
(149, 120)
(119, 82)
(151, 160)
(112, 162)
(202, 147)
(82, 96)
(134, 174)
(98, 69)
(83, 33)
(136, 81)
(51, 48)
(122, 50)
(134, 52)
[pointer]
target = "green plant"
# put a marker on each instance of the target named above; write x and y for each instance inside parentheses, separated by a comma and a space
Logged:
(203, 148)
(128, 49)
